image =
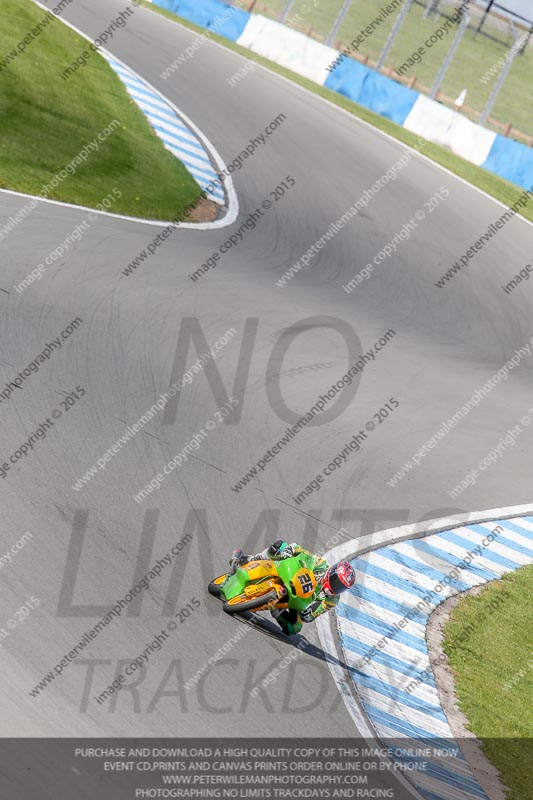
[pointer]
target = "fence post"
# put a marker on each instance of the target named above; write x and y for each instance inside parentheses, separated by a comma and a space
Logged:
(431, 8)
(338, 22)
(510, 57)
(286, 10)
(450, 54)
(484, 17)
(392, 35)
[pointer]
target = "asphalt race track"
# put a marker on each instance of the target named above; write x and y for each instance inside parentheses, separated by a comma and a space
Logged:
(447, 343)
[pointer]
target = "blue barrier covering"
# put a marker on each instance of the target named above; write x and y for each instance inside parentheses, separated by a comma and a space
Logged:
(347, 78)
(511, 160)
(386, 97)
(372, 90)
(218, 17)
(508, 159)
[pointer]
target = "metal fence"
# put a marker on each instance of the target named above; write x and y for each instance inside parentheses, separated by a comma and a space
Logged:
(481, 64)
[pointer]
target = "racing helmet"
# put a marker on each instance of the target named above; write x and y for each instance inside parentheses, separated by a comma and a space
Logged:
(338, 578)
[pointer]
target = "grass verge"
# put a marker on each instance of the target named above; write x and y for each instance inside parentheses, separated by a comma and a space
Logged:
(46, 121)
(489, 641)
(495, 186)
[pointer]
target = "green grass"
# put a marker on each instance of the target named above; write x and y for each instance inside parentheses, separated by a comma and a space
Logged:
(46, 121)
(497, 187)
(489, 641)
(472, 59)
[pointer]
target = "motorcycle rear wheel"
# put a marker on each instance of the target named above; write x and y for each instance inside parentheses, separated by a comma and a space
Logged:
(237, 606)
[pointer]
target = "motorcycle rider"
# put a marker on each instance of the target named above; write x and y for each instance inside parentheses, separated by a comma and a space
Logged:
(331, 582)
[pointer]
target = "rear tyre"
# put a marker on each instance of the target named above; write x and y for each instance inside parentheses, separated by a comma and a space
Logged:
(237, 606)
(215, 586)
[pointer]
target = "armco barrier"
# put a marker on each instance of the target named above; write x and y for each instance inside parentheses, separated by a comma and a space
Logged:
(447, 127)
(386, 97)
(347, 78)
(218, 17)
(288, 47)
(372, 90)
(418, 113)
(511, 160)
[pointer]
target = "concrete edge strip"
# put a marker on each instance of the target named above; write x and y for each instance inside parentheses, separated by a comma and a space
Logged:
(364, 726)
(418, 530)
(185, 154)
(233, 203)
(328, 629)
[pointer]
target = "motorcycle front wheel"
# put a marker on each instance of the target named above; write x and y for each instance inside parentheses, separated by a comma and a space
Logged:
(215, 586)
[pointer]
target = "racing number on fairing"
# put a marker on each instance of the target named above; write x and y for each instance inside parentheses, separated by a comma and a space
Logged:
(306, 583)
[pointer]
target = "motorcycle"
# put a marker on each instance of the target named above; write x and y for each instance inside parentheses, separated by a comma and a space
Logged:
(263, 585)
